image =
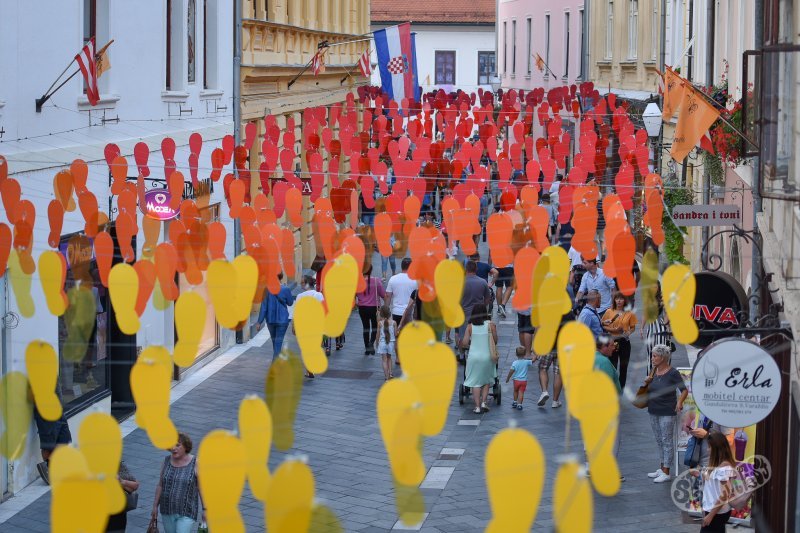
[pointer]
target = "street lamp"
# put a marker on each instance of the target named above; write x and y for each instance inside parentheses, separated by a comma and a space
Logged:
(652, 119)
(495, 83)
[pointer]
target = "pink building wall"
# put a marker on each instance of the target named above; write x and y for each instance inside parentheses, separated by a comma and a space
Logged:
(515, 74)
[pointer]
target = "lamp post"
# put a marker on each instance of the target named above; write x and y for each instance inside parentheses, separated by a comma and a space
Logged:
(652, 123)
(495, 83)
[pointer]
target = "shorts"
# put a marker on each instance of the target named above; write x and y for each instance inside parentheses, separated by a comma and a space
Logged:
(51, 434)
(520, 385)
(505, 277)
(524, 323)
(546, 361)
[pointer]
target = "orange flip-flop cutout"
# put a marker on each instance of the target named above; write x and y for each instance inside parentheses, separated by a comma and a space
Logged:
(166, 266)
(79, 171)
(146, 273)
(126, 229)
(217, 235)
(499, 230)
(119, 173)
(62, 187)
(5, 247)
(55, 215)
(524, 264)
(87, 201)
(10, 192)
(104, 254)
(151, 228)
(287, 252)
(175, 186)
(294, 206)
(383, 233)
(624, 247)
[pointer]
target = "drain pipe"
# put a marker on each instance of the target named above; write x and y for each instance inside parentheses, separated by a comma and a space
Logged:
(237, 121)
(710, 35)
(755, 258)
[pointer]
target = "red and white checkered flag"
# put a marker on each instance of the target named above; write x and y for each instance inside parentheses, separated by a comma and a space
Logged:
(363, 64)
(318, 62)
(86, 62)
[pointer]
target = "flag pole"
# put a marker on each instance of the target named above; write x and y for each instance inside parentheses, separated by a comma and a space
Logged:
(321, 46)
(47, 94)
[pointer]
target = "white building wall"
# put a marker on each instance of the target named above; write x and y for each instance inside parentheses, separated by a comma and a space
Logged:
(37, 40)
(465, 40)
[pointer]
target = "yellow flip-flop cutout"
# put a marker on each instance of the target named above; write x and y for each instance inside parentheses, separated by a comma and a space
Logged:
(17, 412)
(21, 285)
(221, 471)
(190, 320)
(339, 287)
(309, 324)
(449, 281)
(679, 287)
(151, 378)
(80, 319)
(290, 498)
(101, 443)
(576, 348)
(52, 273)
(283, 389)
(255, 432)
(41, 362)
(123, 287)
(572, 500)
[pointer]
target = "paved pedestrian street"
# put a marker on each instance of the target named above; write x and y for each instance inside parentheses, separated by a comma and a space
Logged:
(337, 432)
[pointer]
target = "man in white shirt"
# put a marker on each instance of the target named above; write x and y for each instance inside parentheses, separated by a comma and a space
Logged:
(399, 289)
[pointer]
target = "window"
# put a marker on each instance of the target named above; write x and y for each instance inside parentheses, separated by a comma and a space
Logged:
(210, 39)
(633, 27)
(610, 29)
(654, 29)
(174, 46)
(547, 43)
(566, 45)
(505, 47)
(528, 24)
(445, 67)
(486, 67)
(191, 40)
(581, 59)
(513, 47)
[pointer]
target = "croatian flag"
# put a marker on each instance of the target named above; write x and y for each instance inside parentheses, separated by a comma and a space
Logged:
(397, 62)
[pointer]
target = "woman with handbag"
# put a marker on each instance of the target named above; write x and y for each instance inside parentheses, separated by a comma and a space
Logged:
(619, 321)
(663, 406)
(177, 492)
(657, 331)
(367, 302)
(717, 486)
(481, 339)
(118, 522)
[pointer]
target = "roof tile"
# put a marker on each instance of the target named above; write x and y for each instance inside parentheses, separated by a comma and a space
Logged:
(437, 11)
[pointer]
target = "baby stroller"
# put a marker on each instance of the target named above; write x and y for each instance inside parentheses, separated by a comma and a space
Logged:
(465, 392)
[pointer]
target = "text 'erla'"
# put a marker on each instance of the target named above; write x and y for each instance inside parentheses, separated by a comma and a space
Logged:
(718, 314)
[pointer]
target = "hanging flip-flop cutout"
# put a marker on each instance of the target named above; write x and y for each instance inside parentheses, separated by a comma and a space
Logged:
(190, 319)
(552, 303)
(100, 441)
(151, 228)
(126, 230)
(87, 202)
(123, 287)
(648, 286)
(400, 421)
(20, 285)
(221, 473)
(11, 193)
(679, 286)
(584, 221)
(339, 287)
(423, 262)
(576, 349)
(151, 377)
(573, 509)
(383, 233)
(63, 187)
(431, 368)
(287, 247)
(294, 207)
(79, 500)
(653, 215)
(505, 472)
(499, 230)
(41, 362)
(52, 274)
(255, 432)
(449, 281)
(175, 184)
(309, 331)
(324, 520)
(624, 184)
(284, 387)
(5, 247)
(354, 246)
(23, 244)
(146, 274)
(624, 248)
(290, 498)
(596, 406)
(217, 164)
(524, 265)
(80, 319)
(166, 266)
(80, 173)
(119, 174)
(17, 411)
(141, 154)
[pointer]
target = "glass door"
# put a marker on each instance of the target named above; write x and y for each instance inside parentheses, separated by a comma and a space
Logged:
(5, 322)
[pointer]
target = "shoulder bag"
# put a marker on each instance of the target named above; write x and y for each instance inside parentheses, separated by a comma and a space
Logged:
(153, 526)
(640, 400)
(694, 447)
(131, 500)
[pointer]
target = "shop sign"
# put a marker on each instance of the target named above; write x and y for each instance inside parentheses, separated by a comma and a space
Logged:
(736, 383)
(706, 215)
(719, 303)
(306, 190)
(157, 205)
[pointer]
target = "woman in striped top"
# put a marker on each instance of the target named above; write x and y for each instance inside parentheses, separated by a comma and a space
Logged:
(177, 492)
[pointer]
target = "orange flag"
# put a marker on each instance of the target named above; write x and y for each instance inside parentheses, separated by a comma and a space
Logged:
(673, 93)
(696, 116)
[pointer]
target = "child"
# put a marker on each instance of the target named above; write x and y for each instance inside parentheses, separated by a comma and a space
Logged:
(519, 370)
(387, 333)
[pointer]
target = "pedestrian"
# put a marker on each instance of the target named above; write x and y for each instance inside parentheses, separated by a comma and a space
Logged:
(310, 291)
(481, 369)
(604, 348)
(367, 302)
(594, 278)
(177, 492)
(717, 486)
(399, 289)
(552, 217)
(505, 286)
(658, 331)
(52, 433)
(118, 522)
(389, 261)
(275, 311)
(487, 273)
(589, 315)
(525, 329)
(519, 371)
(663, 405)
(620, 322)
(387, 335)
(476, 291)
(551, 360)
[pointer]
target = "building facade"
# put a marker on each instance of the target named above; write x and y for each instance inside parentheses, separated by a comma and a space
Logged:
(556, 33)
(455, 41)
(279, 39)
(169, 82)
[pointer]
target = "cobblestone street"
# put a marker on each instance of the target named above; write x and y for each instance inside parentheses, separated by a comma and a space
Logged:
(337, 430)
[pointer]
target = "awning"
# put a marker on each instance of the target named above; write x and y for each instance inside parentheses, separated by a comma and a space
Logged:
(628, 94)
